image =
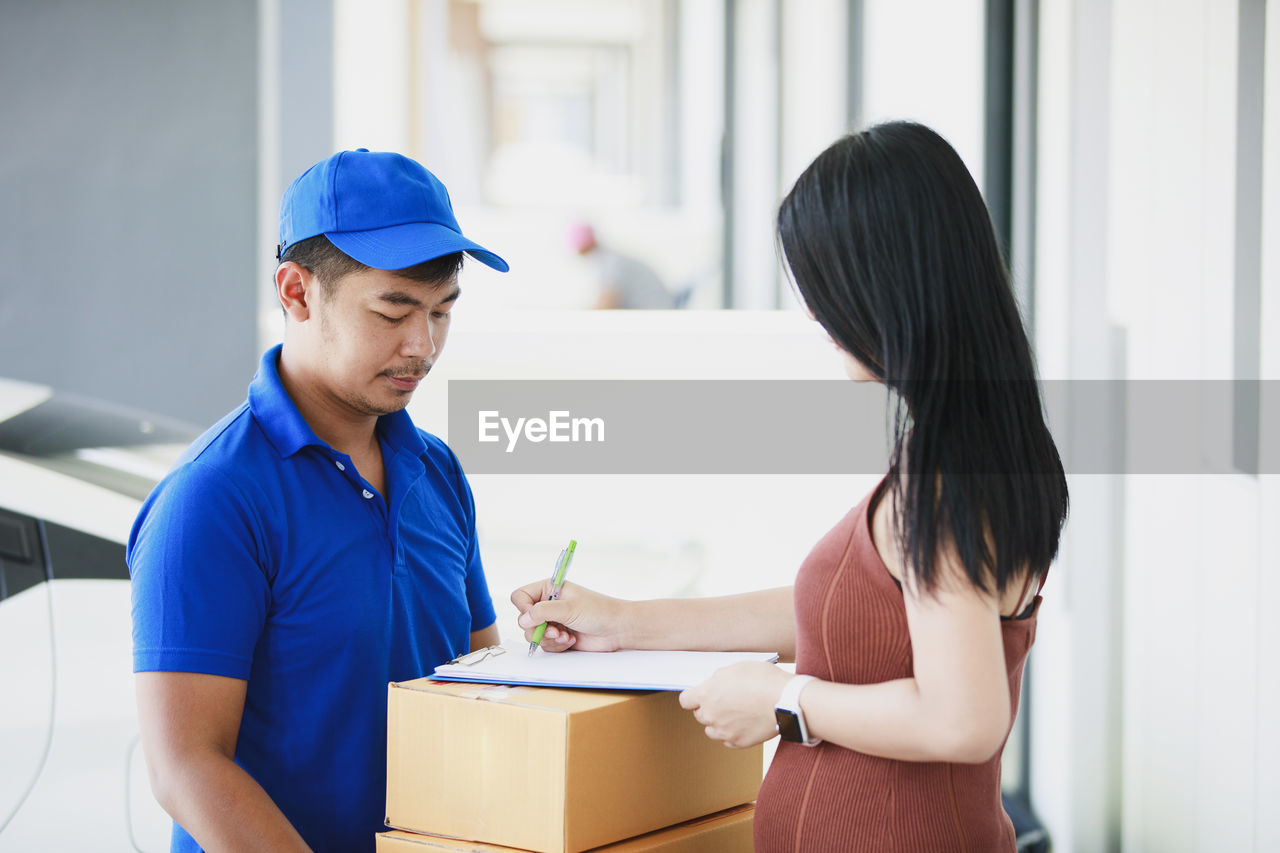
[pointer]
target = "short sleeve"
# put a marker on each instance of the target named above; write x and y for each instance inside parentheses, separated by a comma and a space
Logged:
(479, 600)
(200, 594)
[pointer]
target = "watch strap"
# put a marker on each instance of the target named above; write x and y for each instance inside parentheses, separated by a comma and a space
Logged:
(790, 698)
(789, 702)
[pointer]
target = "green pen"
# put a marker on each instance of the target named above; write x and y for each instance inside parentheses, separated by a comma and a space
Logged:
(557, 582)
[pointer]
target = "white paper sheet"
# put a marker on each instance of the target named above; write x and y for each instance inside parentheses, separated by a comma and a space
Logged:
(629, 669)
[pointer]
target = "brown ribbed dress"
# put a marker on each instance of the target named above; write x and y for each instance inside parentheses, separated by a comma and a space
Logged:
(851, 627)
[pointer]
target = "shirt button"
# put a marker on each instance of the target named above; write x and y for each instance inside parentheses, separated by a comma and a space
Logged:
(341, 467)
(367, 494)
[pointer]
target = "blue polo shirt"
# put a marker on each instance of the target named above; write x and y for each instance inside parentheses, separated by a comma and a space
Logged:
(265, 556)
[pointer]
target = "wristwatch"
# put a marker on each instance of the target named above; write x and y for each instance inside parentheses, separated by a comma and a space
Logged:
(791, 725)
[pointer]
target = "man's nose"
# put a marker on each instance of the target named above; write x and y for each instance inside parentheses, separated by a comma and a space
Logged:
(420, 342)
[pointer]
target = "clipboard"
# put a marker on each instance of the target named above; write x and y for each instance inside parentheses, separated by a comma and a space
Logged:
(628, 669)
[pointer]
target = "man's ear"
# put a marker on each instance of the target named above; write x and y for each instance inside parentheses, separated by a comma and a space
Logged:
(294, 288)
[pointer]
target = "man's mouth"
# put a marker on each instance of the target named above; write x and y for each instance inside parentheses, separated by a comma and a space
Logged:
(407, 381)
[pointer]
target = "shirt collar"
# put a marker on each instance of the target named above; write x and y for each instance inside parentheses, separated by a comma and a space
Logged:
(288, 432)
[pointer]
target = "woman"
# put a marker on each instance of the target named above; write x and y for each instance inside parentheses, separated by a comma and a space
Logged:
(911, 620)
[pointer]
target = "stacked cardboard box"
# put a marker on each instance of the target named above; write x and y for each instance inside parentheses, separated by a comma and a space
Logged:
(724, 832)
(559, 771)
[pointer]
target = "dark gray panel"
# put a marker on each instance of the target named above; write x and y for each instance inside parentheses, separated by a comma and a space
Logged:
(1247, 331)
(50, 551)
(128, 200)
(998, 118)
(22, 563)
(854, 53)
(15, 539)
(76, 554)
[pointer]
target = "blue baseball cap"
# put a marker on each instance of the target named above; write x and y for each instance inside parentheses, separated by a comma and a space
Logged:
(381, 208)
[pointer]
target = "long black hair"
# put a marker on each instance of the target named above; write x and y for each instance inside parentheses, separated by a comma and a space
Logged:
(892, 249)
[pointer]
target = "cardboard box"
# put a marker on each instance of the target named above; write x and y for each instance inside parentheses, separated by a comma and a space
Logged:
(553, 770)
(723, 832)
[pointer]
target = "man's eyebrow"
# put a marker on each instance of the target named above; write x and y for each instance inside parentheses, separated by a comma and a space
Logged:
(400, 297)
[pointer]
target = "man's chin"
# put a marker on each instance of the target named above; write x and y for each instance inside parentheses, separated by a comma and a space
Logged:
(399, 404)
(388, 405)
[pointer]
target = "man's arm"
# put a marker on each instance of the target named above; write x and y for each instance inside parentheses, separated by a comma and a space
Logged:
(485, 637)
(189, 724)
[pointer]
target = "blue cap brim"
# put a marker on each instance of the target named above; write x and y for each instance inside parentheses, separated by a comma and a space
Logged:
(400, 246)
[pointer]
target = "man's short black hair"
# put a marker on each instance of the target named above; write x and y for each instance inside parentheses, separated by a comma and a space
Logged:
(329, 264)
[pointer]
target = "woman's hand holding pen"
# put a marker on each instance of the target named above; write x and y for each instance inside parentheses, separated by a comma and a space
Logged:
(579, 618)
(736, 703)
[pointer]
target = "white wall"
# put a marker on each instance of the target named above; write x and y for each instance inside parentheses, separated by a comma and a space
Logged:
(1267, 784)
(813, 95)
(923, 60)
(1166, 585)
(371, 74)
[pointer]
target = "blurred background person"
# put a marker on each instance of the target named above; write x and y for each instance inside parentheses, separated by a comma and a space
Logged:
(622, 281)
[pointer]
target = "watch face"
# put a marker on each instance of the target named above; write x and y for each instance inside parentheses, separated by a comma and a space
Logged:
(788, 725)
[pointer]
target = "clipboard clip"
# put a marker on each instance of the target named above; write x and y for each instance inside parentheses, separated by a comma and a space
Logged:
(473, 658)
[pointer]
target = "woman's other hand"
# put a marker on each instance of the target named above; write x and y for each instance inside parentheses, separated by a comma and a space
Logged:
(736, 703)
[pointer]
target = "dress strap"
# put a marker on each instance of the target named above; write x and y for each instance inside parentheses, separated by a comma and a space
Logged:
(1043, 577)
(1024, 606)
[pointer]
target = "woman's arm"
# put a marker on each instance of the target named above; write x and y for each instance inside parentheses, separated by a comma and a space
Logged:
(751, 621)
(955, 707)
